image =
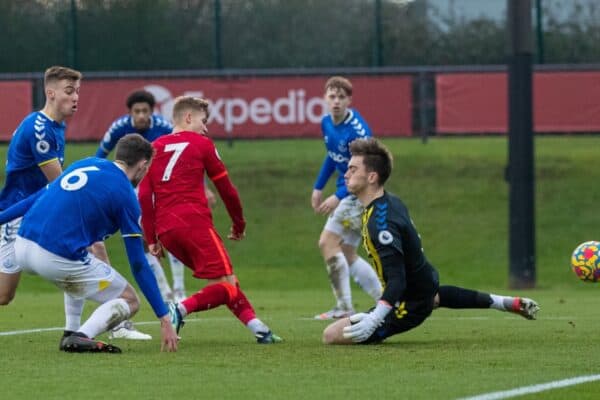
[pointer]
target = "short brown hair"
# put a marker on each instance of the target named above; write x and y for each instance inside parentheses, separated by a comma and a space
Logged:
(339, 83)
(376, 157)
(57, 73)
(183, 103)
(132, 148)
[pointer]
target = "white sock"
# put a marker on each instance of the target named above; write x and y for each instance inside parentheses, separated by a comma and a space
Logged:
(364, 275)
(339, 276)
(161, 279)
(256, 325)
(105, 317)
(182, 310)
(177, 271)
(73, 311)
(499, 302)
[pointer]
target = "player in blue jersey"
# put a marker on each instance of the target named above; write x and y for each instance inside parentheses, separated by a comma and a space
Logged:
(35, 157)
(341, 235)
(141, 119)
(88, 202)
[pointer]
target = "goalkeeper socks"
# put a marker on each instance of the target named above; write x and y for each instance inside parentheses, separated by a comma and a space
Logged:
(177, 271)
(73, 311)
(456, 297)
(364, 275)
(504, 303)
(241, 307)
(105, 317)
(210, 296)
(339, 276)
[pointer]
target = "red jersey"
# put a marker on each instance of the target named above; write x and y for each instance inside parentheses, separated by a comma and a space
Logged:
(172, 193)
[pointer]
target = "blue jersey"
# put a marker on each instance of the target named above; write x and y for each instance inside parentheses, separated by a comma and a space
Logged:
(123, 125)
(38, 140)
(90, 201)
(337, 138)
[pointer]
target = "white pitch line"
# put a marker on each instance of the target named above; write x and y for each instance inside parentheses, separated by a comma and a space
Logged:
(25, 331)
(506, 394)
(56, 328)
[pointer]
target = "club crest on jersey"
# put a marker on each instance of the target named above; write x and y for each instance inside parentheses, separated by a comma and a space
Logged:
(42, 147)
(342, 146)
(385, 237)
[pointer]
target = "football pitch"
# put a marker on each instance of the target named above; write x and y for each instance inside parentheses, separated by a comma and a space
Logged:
(455, 190)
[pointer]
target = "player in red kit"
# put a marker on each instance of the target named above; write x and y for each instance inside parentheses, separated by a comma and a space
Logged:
(176, 215)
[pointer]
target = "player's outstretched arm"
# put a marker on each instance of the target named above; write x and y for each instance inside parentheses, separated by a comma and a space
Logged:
(19, 209)
(327, 169)
(168, 336)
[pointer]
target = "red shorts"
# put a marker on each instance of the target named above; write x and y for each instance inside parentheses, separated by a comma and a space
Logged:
(202, 250)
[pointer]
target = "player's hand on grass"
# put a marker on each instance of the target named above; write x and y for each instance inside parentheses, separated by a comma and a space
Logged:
(168, 335)
(328, 205)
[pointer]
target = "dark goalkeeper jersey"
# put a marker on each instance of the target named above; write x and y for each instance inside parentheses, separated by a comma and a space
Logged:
(394, 246)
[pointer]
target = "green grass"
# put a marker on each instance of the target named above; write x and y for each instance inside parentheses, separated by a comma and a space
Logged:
(457, 196)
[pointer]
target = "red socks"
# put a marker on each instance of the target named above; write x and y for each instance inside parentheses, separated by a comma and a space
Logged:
(220, 293)
(210, 297)
(240, 306)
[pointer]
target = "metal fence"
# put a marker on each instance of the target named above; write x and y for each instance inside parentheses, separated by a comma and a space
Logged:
(152, 35)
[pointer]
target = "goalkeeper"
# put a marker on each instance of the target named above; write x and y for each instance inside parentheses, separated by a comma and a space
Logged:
(412, 288)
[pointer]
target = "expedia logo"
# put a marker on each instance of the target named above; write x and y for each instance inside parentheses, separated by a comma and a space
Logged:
(294, 108)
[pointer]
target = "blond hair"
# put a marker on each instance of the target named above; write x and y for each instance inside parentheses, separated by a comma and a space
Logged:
(57, 73)
(184, 103)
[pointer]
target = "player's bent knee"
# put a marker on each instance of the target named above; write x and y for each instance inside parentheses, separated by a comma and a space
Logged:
(329, 242)
(132, 299)
(323, 243)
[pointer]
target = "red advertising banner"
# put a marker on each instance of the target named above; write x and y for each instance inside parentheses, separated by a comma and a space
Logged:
(243, 107)
(15, 104)
(478, 102)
